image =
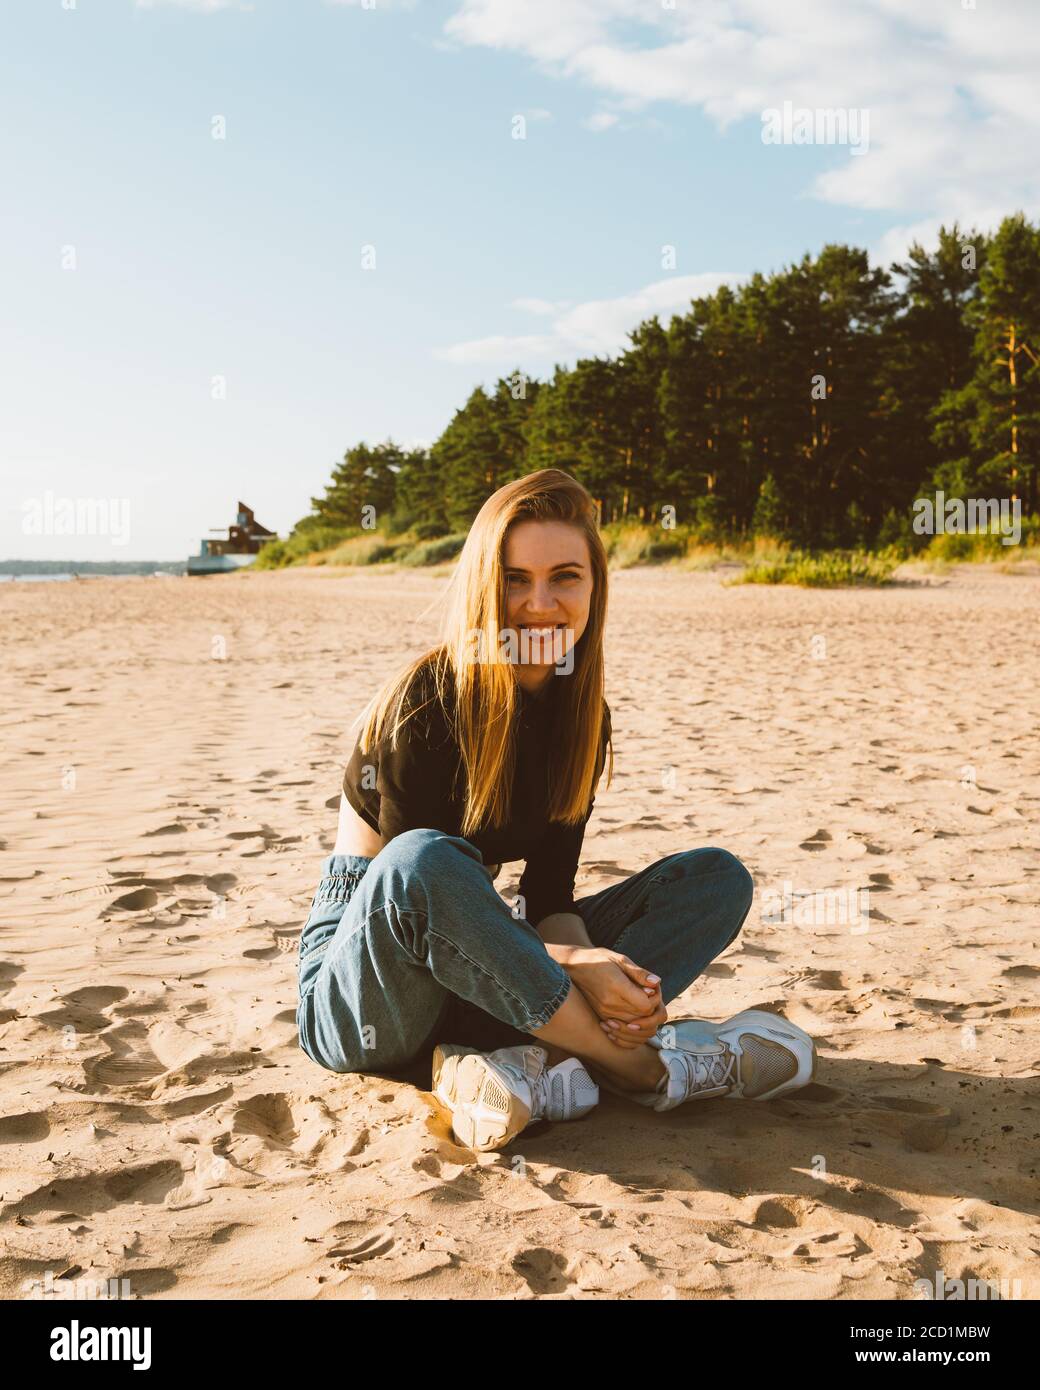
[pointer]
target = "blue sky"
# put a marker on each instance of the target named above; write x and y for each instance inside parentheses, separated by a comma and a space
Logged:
(392, 127)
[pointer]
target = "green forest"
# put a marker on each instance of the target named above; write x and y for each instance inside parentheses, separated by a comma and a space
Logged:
(812, 406)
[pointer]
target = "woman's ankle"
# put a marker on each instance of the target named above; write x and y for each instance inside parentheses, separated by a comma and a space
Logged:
(640, 1070)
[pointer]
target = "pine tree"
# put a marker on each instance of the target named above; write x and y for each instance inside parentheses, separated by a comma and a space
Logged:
(815, 402)
(1006, 431)
(365, 479)
(770, 518)
(928, 361)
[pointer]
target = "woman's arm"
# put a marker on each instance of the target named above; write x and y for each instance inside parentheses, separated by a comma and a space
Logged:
(547, 883)
(626, 999)
(561, 932)
(414, 780)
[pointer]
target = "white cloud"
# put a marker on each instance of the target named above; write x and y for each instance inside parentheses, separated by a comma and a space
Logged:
(602, 120)
(895, 243)
(199, 6)
(596, 328)
(954, 120)
(373, 4)
(538, 306)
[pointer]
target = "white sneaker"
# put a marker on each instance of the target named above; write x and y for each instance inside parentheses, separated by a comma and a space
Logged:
(492, 1096)
(755, 1055)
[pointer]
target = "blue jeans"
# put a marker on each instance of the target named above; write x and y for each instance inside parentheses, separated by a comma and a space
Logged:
(415, 946)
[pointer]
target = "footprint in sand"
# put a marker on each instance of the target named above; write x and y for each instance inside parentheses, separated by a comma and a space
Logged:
(370, 1247)
(544, 1271)
(780, 1212)
(817, 841)
(827, 979)
(138, 901)
(923, 1126)
(141, 1183)
(275, 1130)
(128, 1064)
(9, 972)
(30, 1127)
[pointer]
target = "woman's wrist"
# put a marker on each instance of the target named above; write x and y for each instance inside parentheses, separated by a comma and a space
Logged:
(562, 952)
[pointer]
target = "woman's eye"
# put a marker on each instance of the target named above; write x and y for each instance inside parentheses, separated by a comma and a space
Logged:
(568, 575)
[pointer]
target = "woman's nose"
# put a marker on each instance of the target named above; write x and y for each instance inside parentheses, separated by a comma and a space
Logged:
(540, 602)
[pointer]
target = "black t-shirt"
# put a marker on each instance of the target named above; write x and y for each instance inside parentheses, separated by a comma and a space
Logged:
(420, 784)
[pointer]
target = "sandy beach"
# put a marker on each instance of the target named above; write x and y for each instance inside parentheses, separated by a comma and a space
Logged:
(172, 751)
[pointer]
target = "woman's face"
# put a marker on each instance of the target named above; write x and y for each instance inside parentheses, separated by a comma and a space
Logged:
(548, 577)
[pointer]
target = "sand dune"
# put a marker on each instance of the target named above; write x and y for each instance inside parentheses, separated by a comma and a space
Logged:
(172, 751)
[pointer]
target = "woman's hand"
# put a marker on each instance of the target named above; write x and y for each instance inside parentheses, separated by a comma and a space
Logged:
(627, 1031)
(625, 997)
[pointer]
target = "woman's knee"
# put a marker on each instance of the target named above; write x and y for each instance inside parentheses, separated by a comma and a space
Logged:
(330, 1047)
(742, 885)
(425, 850)
(343, 1065)
(347, 1056)
(334, 1037)
(731, 886)
(720, 866)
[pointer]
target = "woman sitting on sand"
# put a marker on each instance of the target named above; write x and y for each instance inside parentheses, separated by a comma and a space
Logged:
(487, 749)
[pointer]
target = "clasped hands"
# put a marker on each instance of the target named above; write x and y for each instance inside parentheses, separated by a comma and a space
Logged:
(626, 998)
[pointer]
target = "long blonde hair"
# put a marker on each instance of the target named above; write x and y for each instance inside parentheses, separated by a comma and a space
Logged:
(480, 676)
